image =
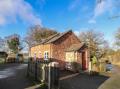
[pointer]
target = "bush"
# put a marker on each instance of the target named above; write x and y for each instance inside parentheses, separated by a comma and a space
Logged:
(43, 86)
(73, 66)
(11, 59)
(2, 60)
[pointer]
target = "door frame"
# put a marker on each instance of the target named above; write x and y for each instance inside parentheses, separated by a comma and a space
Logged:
(84, 60)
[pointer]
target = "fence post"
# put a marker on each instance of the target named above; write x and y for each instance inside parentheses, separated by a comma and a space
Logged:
(49, 76)
(90, 67)
(28, 70)
(53, 82)
(35, 70)
(43, 73)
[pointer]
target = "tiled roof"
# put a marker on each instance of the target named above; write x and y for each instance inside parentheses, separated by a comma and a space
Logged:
(52, 38)
(56, 37)
(75, 47)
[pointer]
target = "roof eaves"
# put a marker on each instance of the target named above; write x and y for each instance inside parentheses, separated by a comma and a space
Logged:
(61, 35)
(76, 49)
(47, 41)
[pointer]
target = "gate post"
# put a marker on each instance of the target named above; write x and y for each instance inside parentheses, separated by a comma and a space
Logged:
(28, 68)
(43, 73)
(53, 79)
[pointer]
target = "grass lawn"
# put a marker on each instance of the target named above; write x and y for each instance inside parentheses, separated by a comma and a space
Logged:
(112, 83)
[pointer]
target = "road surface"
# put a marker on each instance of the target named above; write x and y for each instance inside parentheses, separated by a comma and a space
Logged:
(13, 76)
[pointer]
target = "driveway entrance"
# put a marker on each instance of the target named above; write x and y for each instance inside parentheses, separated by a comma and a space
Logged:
(13, 76)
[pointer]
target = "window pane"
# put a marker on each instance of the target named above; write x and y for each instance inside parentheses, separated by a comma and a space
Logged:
(46, 55)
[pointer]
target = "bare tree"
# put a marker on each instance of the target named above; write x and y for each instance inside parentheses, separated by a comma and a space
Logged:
(2, 44)
(36, 34)
(117, 38)
(94, 40)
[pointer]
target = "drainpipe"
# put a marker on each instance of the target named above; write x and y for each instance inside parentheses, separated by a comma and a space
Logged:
(86, 59)
(74, 61)
(50, 51)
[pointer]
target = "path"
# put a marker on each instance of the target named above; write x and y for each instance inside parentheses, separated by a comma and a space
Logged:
(13, 76)
(113, 82)
(82, 81)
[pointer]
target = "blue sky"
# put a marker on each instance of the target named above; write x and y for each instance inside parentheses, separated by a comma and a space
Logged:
(17, 15)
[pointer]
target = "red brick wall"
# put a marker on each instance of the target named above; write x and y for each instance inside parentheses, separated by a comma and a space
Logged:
(79, 58)
(40, 49)
(59, 46)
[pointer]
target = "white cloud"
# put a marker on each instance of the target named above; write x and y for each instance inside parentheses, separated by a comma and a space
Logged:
(2, 20)
(77, 32)
(101, 8)
(92, 21)
(11, 10)
(74, 4)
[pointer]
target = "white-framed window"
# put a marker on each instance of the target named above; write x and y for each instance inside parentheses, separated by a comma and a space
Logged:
(46, 55)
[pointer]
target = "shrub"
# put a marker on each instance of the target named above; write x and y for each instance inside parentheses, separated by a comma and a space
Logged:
(43, 86)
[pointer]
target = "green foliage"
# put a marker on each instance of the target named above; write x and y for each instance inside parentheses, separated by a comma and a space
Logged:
(94, 60)
(13, 44)
(43, 86)
(3, 55)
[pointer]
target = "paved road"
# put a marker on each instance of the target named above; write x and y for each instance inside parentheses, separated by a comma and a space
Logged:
(82, 81)
(114, 81)
(116, 69)
(13, 76)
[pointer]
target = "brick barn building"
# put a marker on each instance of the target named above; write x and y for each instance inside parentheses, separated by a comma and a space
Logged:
(63, 47)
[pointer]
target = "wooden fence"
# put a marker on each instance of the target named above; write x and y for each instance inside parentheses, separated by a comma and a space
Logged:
(44, 71)
(98, 67)
(102, 67)
(36, 69)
